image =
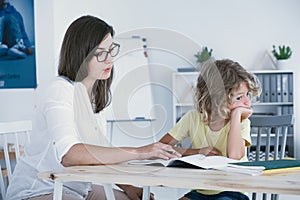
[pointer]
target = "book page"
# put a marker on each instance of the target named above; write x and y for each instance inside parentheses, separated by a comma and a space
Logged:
(199, 160)
(157, 162)
(205, 162)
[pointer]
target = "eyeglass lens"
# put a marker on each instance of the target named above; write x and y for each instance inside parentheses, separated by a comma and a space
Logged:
(102, 56)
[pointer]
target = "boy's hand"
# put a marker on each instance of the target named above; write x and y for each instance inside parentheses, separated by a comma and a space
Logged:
(210, 151)
(243, 112)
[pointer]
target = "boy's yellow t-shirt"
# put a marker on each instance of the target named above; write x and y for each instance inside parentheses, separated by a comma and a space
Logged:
(191, 125)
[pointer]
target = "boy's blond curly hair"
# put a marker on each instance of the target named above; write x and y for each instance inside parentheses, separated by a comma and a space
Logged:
(216, 82)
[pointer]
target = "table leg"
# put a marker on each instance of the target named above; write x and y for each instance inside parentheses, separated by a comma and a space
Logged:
(57, 194)
(146, 193)
(109, 191)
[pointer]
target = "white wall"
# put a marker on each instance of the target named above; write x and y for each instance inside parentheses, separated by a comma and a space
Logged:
(240, 30)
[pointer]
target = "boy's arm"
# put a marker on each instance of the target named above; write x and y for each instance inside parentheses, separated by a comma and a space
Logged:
(235, 142)
(208, 151)
(168, 139)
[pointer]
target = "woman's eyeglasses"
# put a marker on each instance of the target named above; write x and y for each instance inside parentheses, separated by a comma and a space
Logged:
(113, 51)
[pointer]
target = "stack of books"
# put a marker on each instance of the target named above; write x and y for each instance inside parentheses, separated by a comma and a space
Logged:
(270, 166)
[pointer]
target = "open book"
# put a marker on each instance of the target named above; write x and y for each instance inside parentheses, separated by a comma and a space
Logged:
(199, 161)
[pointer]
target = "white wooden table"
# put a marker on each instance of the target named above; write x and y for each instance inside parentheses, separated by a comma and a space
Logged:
(279, 183)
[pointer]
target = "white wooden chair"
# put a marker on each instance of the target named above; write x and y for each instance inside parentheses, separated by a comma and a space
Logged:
(267, 132)
(12, 136)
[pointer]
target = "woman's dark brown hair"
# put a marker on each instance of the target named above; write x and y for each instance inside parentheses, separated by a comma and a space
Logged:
(79, 44)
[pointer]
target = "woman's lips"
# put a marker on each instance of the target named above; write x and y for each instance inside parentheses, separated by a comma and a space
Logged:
(108, 69)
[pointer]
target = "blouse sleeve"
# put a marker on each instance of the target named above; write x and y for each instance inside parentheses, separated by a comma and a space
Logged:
(59, 114)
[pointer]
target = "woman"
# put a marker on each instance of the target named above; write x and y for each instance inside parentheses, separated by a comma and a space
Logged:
(70, 129)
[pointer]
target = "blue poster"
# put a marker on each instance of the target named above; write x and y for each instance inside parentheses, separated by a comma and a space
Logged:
(17, 44)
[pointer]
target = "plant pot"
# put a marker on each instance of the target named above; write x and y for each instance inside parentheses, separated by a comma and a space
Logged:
(282, 64)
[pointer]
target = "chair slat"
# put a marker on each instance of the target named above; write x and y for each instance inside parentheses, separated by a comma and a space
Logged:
(6, 157)
(258, 141)
(2, 186)
(276, 150)
(283, 143)
(268, 143)
(17, 146)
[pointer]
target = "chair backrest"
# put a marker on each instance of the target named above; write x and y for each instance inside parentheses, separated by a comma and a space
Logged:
(10, 135)
(269, 131)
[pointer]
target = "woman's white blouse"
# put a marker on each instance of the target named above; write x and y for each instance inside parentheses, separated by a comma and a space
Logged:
(64, 118)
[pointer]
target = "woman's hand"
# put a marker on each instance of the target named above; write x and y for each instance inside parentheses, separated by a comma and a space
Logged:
(157, 150)
(134, 193)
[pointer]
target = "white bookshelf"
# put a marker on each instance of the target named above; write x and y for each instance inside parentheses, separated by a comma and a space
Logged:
(184, 85)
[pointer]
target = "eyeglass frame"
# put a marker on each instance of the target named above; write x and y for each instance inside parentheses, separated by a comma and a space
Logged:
(115, 45)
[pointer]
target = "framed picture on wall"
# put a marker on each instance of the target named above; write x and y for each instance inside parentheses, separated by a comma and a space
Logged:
(17, 44)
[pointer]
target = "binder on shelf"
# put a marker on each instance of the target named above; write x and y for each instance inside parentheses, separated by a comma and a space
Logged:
(291, 110)
(260, 78)
(285, 110)
(266, 88)
(279, 110)
(273, 88)
(279, 88)
(290, 83)
(285, 87)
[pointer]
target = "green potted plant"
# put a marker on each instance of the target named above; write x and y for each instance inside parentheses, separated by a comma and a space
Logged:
(282, 53)
(203, 55)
